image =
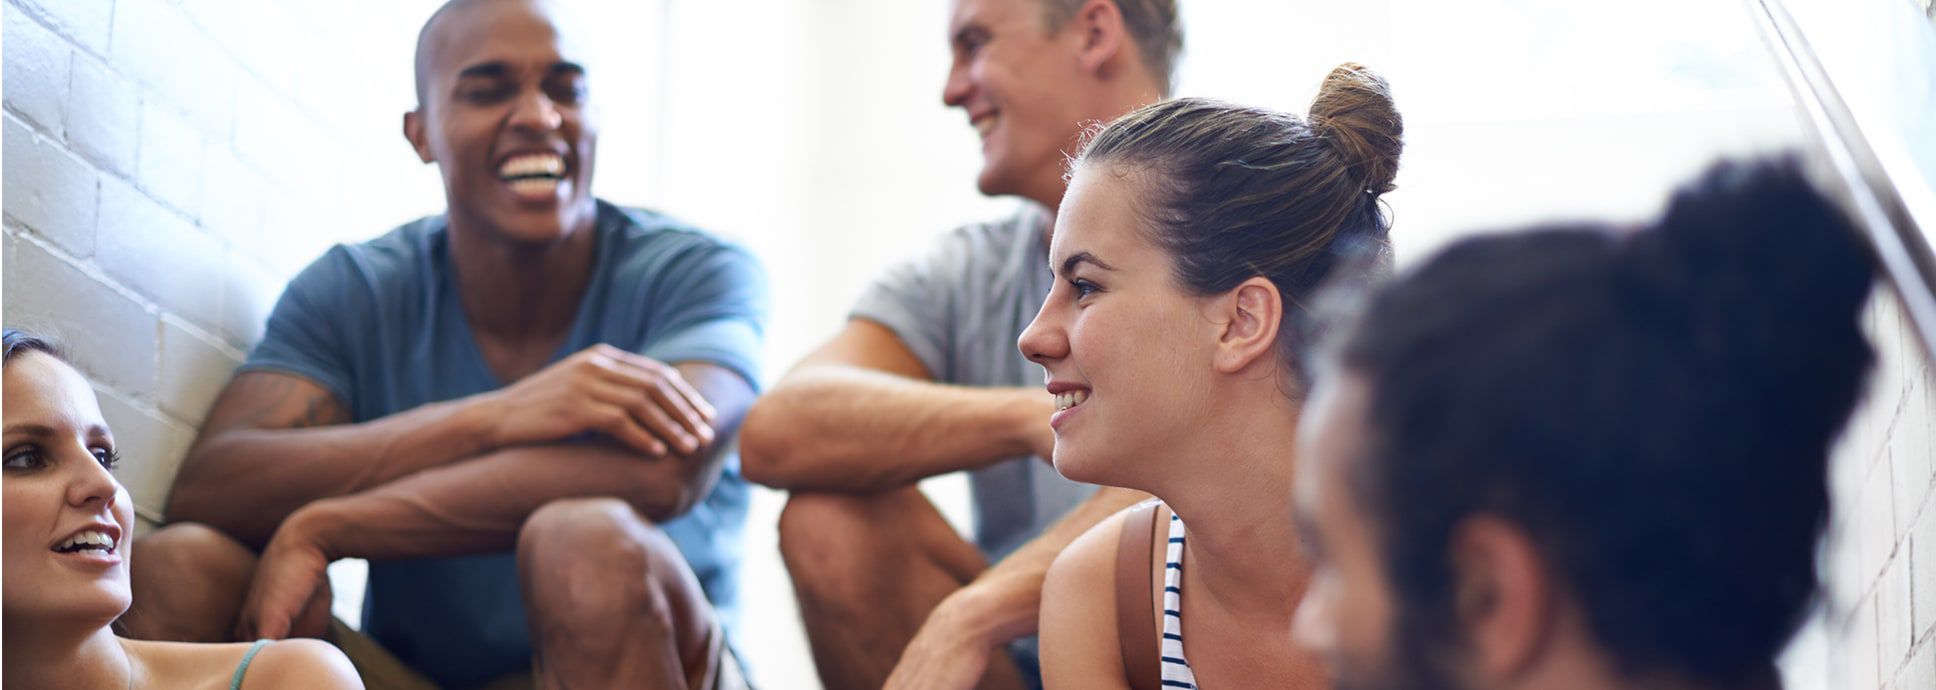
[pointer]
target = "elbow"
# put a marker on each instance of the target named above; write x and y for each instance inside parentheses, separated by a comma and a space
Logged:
(766, 446)
(663, 496)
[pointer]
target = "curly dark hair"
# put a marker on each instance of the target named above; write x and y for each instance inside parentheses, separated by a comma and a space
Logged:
(1654, 407)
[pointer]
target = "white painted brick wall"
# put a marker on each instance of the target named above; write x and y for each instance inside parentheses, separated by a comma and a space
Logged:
(168, 168)
(1880, 562)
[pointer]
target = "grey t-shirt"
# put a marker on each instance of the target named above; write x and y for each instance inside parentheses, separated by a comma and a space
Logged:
(960, 308)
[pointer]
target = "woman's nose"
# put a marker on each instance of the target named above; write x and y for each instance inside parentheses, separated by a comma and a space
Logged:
(91, 482)
(1044, 340)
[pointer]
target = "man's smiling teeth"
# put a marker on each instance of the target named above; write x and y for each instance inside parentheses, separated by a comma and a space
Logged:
(1064, 401)
(87, 540)
(984, 125)
(534, 185)
(532, 165)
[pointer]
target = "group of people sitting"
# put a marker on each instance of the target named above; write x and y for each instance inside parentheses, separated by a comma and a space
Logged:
(1567, 456)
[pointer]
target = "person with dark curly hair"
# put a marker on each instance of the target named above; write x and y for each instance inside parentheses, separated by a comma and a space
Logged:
(1586, 456)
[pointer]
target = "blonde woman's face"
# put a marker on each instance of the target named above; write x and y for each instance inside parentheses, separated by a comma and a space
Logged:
(68, 522)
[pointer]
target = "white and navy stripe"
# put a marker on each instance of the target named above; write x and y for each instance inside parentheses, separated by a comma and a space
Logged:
(1176, 668)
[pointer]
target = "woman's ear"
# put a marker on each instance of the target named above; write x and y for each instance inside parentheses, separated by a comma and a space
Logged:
(1251, 314)
(1103, 32)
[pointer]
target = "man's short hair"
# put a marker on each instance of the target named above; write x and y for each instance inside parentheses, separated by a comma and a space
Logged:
(1153, 24)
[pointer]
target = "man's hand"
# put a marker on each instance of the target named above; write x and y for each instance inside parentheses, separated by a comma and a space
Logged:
(639, 402)
(949, 651)
(1036, 423)
(290, 596)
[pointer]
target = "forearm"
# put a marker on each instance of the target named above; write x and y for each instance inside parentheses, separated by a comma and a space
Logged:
(1005, 602)
(245, 481)
(479, 506)
(846, 428)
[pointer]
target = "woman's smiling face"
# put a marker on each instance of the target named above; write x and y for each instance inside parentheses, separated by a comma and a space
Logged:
(1127, 350)
(68, 522)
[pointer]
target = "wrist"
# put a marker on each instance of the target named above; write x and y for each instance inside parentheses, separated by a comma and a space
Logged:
(971, 614)
(1028, 419)
(314, 526)
(475, 421)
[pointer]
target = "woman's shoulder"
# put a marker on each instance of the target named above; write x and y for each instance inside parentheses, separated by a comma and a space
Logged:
(1091, 558)
(1078, 626)
(300, 663)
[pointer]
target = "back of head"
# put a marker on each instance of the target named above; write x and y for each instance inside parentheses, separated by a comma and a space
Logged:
(1152, 24)
(1238, 192)
(1654, 408)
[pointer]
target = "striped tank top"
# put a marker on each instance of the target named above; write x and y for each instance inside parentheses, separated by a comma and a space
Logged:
(1176, 668)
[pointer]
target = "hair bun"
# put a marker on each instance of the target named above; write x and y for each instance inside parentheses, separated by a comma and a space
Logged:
(1770, 277)
(1354, 113)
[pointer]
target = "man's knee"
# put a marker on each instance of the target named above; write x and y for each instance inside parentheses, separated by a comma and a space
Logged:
(188, 583)
(831, 544)
(188, 553)
(588, 560)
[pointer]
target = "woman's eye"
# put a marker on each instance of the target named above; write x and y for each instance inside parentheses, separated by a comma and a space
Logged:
(1084, 288)
(107, 458)
(25, 459)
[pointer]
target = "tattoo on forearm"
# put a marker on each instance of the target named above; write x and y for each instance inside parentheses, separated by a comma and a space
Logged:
(270, 402)
(318, 411)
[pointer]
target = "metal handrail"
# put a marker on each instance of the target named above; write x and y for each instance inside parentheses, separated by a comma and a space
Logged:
(1893, 203)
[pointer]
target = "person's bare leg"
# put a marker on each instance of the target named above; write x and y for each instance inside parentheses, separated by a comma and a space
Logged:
(612, 603)
(188, 583)
(867, 570)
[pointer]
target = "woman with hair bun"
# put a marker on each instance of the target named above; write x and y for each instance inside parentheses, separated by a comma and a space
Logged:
(1585, 456)
(1191, 238)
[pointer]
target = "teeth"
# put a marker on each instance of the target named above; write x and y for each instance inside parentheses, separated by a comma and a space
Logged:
(1070, 399)
(532, 164)
(984, 125)
(88, 538)
(534, 185)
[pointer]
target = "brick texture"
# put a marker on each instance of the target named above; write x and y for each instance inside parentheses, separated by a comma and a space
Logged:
(167, 172)
(1880, 562)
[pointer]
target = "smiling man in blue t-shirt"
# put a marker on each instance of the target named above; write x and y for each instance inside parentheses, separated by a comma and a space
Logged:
(516, 410)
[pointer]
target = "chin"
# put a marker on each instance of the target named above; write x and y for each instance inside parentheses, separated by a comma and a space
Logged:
(995, 180)
(1077, 467)
(99, 604)
(535, 228)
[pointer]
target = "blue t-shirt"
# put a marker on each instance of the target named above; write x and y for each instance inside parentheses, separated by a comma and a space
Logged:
(380, 325)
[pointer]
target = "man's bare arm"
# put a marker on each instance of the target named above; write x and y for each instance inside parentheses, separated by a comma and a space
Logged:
(275, 442)
(478, 506)
(1004, 603)
(862, 414)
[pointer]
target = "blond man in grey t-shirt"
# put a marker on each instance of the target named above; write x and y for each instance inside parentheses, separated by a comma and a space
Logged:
(926, 380)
